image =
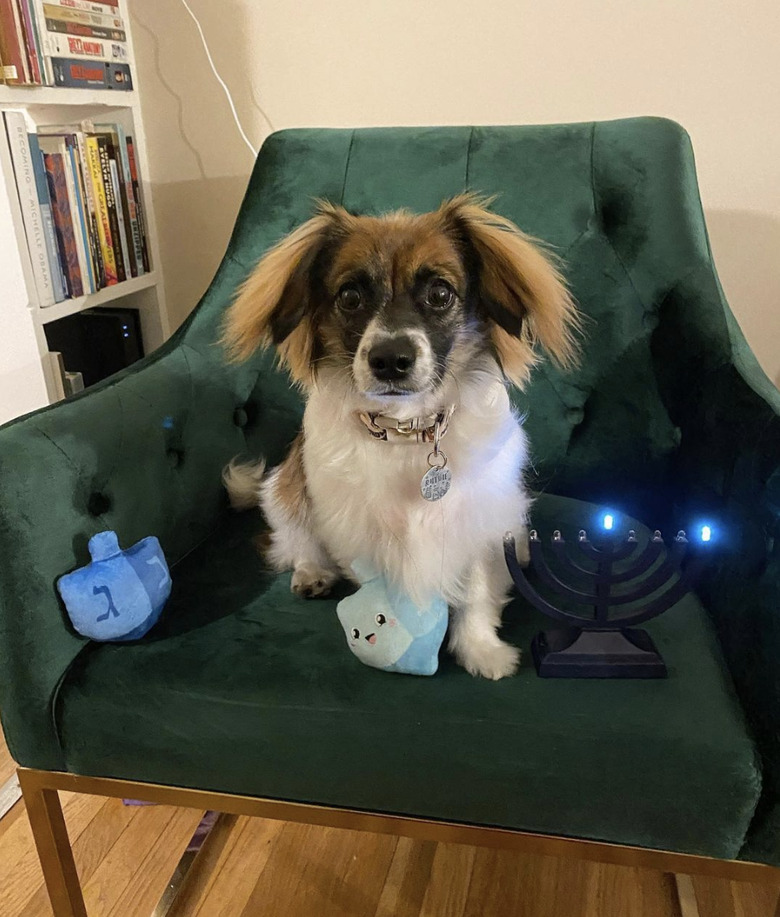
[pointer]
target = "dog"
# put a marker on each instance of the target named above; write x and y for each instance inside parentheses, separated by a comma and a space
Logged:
(404, 332)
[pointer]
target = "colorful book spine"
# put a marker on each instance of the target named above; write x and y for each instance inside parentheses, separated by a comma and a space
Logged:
(132, 207)
(36, 74)
(62, 140)
(63, 221)
(59, 284)
(86, 31)
(138, 203)
(94, 6)
(120, 215)
(77, 197)
(90, 212)
(113, 217)
(95, 170)
(13, 55)
(81, 17)
(92, 49)
(44, 63)
(81, 74)
(27, 188)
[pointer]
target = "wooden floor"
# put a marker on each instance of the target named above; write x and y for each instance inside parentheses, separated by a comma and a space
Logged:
(257, 868)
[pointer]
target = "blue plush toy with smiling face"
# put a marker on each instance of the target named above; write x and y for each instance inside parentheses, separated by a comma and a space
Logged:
(386, 630)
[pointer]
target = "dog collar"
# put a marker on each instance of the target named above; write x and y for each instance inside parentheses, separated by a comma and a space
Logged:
(413, 430)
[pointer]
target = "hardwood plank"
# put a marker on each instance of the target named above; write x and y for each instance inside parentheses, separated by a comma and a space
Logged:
(407, 879)
(754, 900)
(20, 871)
(7, 763)
(204, 868)
(329, 872)
(723, 898)
(109, 881)
(448, 888)
(629, 891)
(155, 868)
(241, 862)
(503, 882)
(89, 850)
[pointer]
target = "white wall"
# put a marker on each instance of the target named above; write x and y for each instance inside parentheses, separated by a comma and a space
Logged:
(709, 64)
(22, 386)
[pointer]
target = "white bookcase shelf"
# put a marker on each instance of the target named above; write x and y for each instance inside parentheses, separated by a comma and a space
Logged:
(26, 370)
(102, 298)
(22, 96)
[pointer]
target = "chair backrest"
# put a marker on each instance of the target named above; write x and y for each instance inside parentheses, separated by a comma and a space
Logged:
(618, 201)
(142, 453)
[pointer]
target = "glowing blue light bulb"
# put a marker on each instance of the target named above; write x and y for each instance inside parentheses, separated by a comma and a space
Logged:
(608, 521)
(706, 533)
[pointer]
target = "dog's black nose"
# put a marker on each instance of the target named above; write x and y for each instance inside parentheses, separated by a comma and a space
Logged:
(392, 358)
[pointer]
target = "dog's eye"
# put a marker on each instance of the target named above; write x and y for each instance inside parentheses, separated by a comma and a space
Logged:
(355, 633)
(349, 298)
(380, 620)
(440, 295)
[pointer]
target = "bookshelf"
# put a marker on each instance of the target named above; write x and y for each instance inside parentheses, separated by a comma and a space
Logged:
(28, 377)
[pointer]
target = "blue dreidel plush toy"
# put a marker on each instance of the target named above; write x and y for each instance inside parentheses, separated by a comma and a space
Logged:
(120, 595)
(388, 631)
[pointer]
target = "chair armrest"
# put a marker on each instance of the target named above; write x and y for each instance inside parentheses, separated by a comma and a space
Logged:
(729, 466)
(140, 454)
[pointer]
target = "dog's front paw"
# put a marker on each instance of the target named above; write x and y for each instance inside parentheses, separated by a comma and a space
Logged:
(492, 660)
(310, 581)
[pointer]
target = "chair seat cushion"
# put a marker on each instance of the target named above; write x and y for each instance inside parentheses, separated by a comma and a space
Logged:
(244, 688)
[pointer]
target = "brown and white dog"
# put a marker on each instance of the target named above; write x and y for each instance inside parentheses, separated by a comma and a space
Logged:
(399, 329)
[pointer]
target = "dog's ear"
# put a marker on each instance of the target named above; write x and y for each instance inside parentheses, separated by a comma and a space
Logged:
(276, 303)
(519, 286)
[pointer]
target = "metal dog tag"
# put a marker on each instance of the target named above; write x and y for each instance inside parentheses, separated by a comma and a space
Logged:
(435, 483)
(438, 478)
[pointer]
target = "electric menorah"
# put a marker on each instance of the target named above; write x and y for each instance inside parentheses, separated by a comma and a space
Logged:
(623, 584)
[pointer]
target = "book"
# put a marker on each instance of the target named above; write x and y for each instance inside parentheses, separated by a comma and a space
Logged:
(120, 215)
(47, 216)
(63, 221)
(76, 192)
(81, 74)
(43, 64)
(138, 204)
(80, 17)
(63, 141)
(113, 214)
(73, 46)
(13, 54)
(88, 31)
(132, 205)
(106, 246)
(89, 6)
(128, 223)
(90, 212)
(27, 188)
(25, 10)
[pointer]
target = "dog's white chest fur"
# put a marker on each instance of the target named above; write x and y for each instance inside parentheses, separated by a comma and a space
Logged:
(366, 500)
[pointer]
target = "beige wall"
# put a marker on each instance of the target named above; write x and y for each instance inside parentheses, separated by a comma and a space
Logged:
(711, 65)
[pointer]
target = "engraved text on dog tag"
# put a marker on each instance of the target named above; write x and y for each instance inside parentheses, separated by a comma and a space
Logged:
(435, 483)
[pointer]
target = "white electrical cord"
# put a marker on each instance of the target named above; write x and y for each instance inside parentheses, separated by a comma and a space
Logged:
(219, 78)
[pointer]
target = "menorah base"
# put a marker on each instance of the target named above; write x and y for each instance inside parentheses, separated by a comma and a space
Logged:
(574, 653)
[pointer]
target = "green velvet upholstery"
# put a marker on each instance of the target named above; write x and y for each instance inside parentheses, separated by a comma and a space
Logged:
(242, 687)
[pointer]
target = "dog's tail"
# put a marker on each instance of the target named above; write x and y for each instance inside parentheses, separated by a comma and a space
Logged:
(242, 480)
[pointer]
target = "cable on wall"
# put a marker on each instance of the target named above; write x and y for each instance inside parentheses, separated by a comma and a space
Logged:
(221, 82)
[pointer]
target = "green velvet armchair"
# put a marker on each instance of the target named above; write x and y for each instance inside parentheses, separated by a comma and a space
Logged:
(244, 689)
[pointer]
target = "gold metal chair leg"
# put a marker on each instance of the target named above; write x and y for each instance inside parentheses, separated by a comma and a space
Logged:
(54, 850)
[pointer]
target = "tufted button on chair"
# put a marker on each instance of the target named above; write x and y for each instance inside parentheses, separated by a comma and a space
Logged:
(246, 691)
